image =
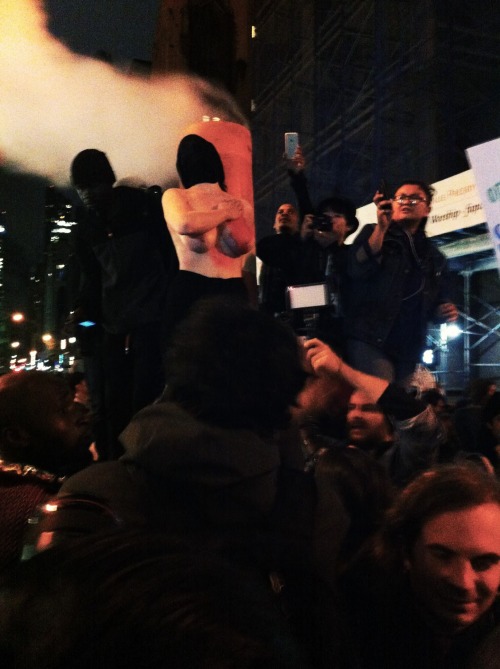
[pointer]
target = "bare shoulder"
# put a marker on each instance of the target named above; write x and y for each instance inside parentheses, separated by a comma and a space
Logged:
(173, 195)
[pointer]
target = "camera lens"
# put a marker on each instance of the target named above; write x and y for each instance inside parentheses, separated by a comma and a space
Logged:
(322, 223)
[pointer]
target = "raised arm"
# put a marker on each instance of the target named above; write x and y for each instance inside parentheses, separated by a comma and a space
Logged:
(418, 428)
(324, 361)
(373, 246)
(298, 182)
(237, 236)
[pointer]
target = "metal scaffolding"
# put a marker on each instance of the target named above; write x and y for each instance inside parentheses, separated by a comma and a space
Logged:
(376, 88)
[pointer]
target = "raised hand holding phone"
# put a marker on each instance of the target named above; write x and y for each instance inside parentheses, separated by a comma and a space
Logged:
(384, 206)
(384, 200)
(291, 144)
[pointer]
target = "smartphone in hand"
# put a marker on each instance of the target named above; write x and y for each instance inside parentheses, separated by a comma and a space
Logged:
(382, 188)
(291, 144)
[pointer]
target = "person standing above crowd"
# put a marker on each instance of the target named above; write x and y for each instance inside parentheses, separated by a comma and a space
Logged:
(315, 255)
(325, 258)
(212, 230)
(126, 259)
(397, 285)
(281, 260)
(325, 228)
(320, 258)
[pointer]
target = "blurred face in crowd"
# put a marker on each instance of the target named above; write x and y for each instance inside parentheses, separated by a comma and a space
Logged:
(59, 428)
(367, 425)
(494, 427)
(320, 396)
(454, 566)
(440, 407)
(96, 196)
(286, 220)
(409, 205)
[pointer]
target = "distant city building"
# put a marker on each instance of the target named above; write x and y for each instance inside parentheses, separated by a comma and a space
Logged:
(3, 310)
(59, 224)
(14, 338)
(210, 38)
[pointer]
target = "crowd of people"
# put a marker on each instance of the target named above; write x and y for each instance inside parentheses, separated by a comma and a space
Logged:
(231, 493)
(383, 288)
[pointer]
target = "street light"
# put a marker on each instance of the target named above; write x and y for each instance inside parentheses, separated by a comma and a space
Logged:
(449, 331)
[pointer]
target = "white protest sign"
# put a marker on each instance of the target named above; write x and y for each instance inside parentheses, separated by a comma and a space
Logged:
(485, 162)
(456, 205)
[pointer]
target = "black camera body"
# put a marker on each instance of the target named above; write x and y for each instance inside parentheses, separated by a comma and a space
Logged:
(322, 223)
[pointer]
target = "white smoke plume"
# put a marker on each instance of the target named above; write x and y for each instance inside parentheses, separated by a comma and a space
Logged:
(54, 103)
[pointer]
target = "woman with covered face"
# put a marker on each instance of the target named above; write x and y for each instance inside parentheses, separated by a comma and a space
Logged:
(212, 230)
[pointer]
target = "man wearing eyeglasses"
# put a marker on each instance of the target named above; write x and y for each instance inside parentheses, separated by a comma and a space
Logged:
(398, 285)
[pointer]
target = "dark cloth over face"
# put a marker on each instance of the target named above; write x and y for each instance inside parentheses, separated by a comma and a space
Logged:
(198, 162)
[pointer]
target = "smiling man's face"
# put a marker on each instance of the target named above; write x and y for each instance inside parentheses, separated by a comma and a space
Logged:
(454, 567)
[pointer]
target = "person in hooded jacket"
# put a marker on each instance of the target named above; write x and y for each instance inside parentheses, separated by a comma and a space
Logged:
(201, 461)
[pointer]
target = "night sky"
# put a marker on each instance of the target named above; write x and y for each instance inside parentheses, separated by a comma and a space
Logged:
(122, 28)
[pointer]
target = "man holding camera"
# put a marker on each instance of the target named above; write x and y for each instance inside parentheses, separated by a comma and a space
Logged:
(324, 260)
(316, 255)
(332, 225)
